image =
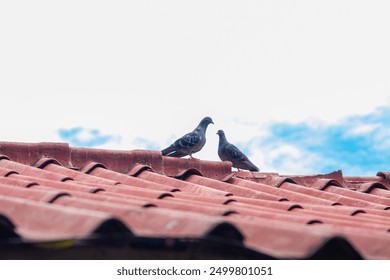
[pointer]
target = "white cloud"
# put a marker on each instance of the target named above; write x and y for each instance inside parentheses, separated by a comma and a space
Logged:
(85, 136)
(382, 139)
(284, 158)
(361, 129)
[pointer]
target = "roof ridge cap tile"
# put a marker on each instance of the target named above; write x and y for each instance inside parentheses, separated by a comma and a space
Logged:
(117, 160)
(27, 153)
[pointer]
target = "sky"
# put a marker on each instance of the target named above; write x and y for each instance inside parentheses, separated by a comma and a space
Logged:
(302, 87)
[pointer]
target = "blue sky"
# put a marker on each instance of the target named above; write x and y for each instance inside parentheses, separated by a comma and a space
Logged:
(83, 137)
(301, 86)
(356, 144)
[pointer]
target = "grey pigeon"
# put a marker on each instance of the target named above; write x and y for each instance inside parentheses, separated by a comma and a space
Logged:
(229, 152)
(190, 143)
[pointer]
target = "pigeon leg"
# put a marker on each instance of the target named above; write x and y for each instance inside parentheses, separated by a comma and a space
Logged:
(191, 157)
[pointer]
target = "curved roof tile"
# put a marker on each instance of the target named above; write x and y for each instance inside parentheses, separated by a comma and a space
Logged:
(50, 191)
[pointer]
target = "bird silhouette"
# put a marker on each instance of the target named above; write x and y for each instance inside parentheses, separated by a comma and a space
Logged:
(229, 152)
(191, 142)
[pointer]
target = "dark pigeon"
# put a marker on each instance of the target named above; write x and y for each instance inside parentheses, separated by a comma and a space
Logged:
(229, 152)
(190, 143)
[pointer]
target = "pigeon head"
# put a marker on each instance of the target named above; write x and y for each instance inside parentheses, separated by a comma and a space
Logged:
(206, 121)
(220, 132)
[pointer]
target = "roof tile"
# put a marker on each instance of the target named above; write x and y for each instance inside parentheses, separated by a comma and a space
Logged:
(28, 170)
(285, 193)
(236, 190)
(181, 185)
(42, 221)
(50, 191)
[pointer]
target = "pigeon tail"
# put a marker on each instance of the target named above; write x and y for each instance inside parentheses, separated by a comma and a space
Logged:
(168, 151)
(248, 165)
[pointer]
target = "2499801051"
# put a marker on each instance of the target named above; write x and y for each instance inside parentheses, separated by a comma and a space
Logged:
(241, 270)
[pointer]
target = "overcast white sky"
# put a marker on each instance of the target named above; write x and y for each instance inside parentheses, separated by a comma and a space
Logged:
(139, 74)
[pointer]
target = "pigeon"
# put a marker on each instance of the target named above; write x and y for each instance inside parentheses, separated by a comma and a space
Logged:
(229, 152)
(190, 143)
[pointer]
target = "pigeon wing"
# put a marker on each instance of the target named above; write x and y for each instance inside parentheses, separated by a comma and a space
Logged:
(234, 153)
(184, 145)
(188, 141)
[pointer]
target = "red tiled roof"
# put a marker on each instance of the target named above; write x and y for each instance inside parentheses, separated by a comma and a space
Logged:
(136, 203)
